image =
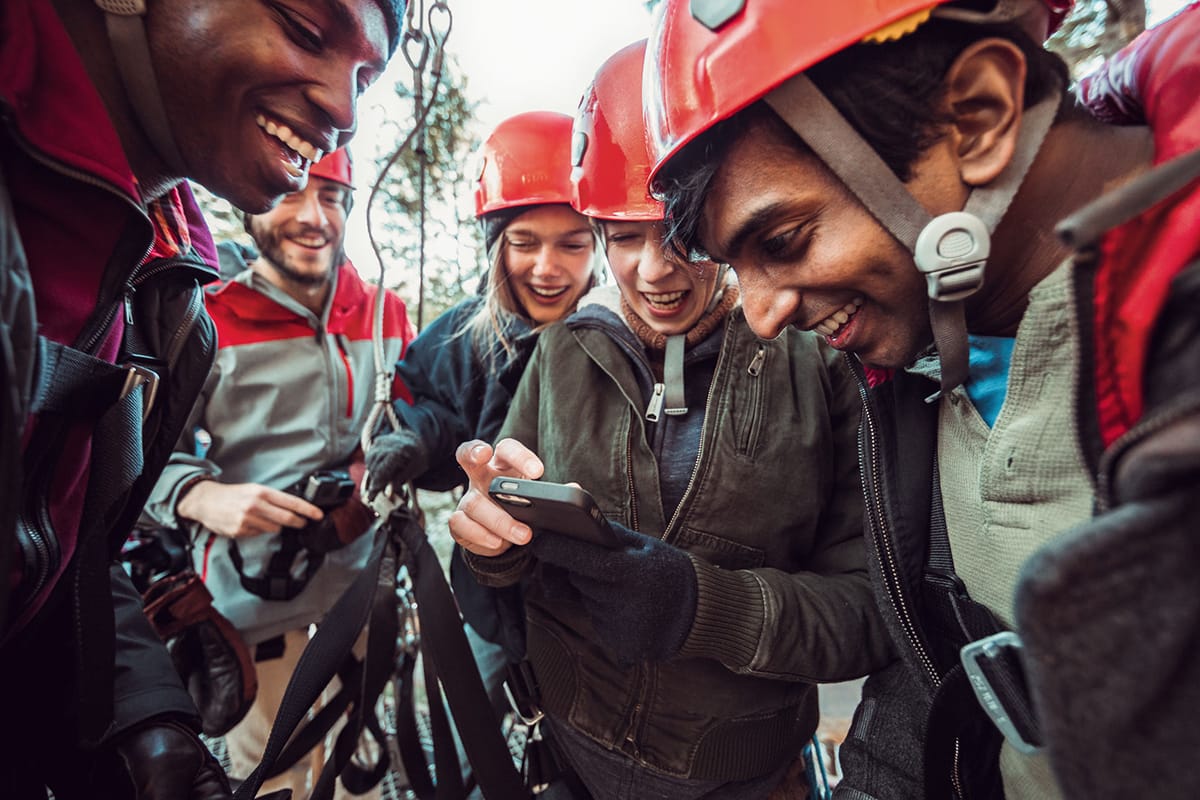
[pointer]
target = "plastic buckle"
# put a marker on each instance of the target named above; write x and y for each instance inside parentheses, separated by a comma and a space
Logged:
(990, 648)
(136, 375)
(952, 251)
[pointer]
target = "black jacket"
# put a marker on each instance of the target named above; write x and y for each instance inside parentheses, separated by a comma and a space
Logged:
(460, 393)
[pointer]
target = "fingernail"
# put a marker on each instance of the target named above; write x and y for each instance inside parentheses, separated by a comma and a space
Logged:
(477, 451)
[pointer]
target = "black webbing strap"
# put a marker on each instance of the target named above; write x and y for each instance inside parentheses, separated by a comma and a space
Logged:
(116, 462)
(447, 655)
(324, 654)
(277, 581)
(377, 667)
(408, 736)
(72, 382)
(314, 732)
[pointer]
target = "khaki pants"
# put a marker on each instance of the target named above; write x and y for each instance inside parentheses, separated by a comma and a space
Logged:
(248, 739)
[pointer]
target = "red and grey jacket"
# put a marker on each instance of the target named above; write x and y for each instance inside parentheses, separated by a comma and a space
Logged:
(1107, 611)
(289, 394)
(92, 278)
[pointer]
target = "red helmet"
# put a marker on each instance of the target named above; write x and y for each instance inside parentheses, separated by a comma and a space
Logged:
(526, 161)
(711, 58)
(610, 153)
(334, 167)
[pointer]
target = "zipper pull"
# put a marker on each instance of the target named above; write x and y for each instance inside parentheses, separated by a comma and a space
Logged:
(756, 363)
(656, 402)
(128, 303)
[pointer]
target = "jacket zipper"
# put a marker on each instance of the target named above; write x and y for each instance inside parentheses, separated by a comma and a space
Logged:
(44, 544)
(885, 553)
(705, 429)
(634, 717)
(754, 370)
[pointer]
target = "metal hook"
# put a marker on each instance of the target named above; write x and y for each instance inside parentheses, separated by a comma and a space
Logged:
(439, 31)
(415, 60)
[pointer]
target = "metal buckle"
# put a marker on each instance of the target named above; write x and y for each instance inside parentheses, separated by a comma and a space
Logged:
(529, 717)
(135, 376)
(408, 636)
(990, 648)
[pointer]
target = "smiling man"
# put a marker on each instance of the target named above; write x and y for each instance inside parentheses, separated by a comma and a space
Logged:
(890, 173)
(105, 107)
(287, 399)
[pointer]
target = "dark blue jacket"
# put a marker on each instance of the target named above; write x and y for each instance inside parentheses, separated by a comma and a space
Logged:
(460, 393)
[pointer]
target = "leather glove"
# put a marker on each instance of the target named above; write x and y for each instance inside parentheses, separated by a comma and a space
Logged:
(394, 458)
(641, 597)
(167, 761)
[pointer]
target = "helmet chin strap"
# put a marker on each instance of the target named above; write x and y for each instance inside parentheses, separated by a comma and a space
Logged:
(952, 249)
(127, 37)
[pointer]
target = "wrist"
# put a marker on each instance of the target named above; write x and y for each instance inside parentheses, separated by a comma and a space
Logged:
(190, 494)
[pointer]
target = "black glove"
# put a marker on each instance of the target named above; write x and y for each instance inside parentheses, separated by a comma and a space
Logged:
(641, 598)
(395, 458)
(167, 761)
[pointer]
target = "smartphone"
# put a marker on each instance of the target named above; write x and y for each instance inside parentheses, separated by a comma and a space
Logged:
(567, 510)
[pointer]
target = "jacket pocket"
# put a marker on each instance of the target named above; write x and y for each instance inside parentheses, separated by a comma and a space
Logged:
(723, 552)
(748, 408)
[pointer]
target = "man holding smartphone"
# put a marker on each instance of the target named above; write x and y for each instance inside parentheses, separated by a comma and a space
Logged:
(284, 408)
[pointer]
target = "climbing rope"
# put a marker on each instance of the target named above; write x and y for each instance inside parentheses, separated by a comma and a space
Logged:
(425, 32)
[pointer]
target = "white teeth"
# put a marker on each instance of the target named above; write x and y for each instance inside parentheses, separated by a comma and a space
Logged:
(293, 170)
(830, 325)
(548, 292)
(283, 133)
(665, 298)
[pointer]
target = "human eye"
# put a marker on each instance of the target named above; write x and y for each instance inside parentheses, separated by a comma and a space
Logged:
(301, 29)
(625, 238)
(333, 197)
(787, 244)
(521, 243)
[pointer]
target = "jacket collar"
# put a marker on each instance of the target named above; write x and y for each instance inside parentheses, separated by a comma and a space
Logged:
(54, 105)
(252, 297)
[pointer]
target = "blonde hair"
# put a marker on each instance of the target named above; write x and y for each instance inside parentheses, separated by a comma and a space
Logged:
(492, 322)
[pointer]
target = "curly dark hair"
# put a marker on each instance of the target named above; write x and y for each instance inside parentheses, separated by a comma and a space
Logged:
(890, 93)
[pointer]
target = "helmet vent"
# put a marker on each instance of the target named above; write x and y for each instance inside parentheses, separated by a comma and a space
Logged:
(712, 14)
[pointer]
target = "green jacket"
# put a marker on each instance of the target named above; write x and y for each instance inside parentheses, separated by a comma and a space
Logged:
(772, 519)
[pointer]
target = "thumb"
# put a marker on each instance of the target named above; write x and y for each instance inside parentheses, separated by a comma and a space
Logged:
(473, 456)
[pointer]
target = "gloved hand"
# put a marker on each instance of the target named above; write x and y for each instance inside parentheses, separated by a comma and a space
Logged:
(394, 458)
(167, 761)
(641, 598)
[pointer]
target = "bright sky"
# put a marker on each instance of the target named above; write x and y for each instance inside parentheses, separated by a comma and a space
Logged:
(517, 55)
(521, 55)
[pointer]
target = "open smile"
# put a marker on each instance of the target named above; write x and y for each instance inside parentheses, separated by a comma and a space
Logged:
(548, 294)
(299, 152)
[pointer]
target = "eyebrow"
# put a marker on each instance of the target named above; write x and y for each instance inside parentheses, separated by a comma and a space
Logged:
(751, 225)
(517, 231)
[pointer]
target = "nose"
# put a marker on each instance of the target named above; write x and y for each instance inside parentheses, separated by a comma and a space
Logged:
(311, 211)
(545, 261)
(768, 310)
(654, 265)
(338, 99)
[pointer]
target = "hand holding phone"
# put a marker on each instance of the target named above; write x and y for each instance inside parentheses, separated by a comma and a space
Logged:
(556, 507)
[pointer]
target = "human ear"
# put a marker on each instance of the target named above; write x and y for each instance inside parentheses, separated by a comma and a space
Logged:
(985, 93)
